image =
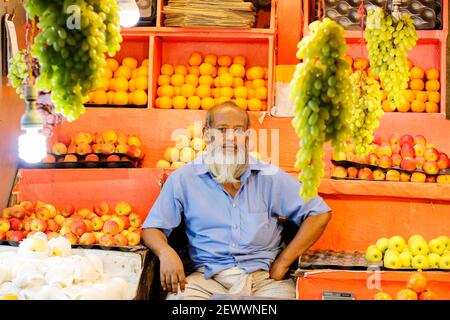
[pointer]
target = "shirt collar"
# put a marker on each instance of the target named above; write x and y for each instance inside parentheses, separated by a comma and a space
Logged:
(200, 166)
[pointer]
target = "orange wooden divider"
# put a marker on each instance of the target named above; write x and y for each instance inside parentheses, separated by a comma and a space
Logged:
(311, 285)
(84, 188)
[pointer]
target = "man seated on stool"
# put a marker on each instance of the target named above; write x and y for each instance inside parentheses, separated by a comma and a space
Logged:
(231, 204)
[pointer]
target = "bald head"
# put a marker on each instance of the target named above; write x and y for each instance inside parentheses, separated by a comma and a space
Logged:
(227, 115)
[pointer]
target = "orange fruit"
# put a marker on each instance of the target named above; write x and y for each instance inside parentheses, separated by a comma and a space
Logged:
(177, 91)
(431, 107)
(191, 79)
(421, 95)
(211, 59)
(237, 70)
(224, 61)
(110, 96)
(360, 63)
(131, 63)
(143, 71)
(266, 73)
(349, 60)
(432, 85)
(134, 74)
(254, 104)
(104, 84)
(409, 95)
(123, 72)
(216, 93)
(187, 90)
(181, 69)
(221, 100)
(167, 69)
(163, 80)
(264, 105)
(410, 64)
(222, 70)
(163, 102)
(194, 102)
(238, 82)
(256, 73)
(112, 64)
(261, 93)
(226, 92)
(226, 80)
(217, 82)
(132, 85)
(107, 73)
(214, 73)
(195, 59)
(130, 97)
(205, 80)
(177, 80)
(194, 70)
(121, 84)
(434, 96)
(432, 74)
(239, 60)
(250, 93)
(386, 105)
(166, 91)
(99, 97)
(120, 98)
(383, 95)
(417, 106)
(203, 91)
(416, 73)
(139, 97)
(241, 102)
(144, 63)
(257, 83)
(416, 84)
(111, 84)
(240, 92)
(206, 69)
(179, 102)
(207, 103)
(404, 106)
(248, 74)
(142, 83)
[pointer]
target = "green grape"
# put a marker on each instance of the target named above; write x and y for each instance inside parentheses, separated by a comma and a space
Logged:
(321, 92)
(366, 111)
(18, 71)
(71, 58)
(388, 42)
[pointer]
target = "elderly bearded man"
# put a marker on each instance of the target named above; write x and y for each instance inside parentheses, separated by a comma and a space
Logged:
(231, 204)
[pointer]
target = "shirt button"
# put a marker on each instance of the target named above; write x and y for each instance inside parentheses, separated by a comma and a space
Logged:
(235, 226)
(233, 245)
(234, 205)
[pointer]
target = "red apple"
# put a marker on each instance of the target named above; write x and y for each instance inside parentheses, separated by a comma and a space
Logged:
(18, 212)
(339, 172)
(101, 209)
(418, 177)
(352, 172)
(108, 148)
(393, 175)
(92, 157)
(407, 151)
(87, 238)
(406, 139)
(443, 161)
(16, 236)
(28, 206)
(38, 225)
(443, 179)
(97, 223)
(135, 220)
(379, 175)
(394, 138)
(83, 149)
(27, 223)
(419, 149)
(97, 148)
(385, 150)
(126, 220)
(430, 179)
(365, 173)
(122, 148)
(111, 227)
(59, 148)
(66, 139)
(373, 159)
(4, 225)
(350, 156)
(420, 139)
(395, 149)
(16, 224)
(405, 177)
(72, 148)
(420, 160)
(428, 295)
(2, 235)
(377, 139)
(361, 159)
(133, 238)
(385, 162)
(107, 240)
(431, 154)
(121, 240)
(113, 157)
(49, 159)
(430, 167)
(51, 234)
(396, 160)
(408, 164)
(89, 225)
(71, 237)
(122, 139)
(43, 213)
(78, 228)
(67, 210)
(134, 151)
(52, 225)
(6, 213)
(70, 158)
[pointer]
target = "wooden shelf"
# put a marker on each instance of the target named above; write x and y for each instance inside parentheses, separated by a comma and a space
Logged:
(146, 31)
(423, 34)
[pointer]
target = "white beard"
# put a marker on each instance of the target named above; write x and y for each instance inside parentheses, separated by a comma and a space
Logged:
(226, 166)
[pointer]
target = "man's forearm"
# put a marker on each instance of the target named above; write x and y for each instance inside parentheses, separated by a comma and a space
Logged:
(156, 240)
(309, 232)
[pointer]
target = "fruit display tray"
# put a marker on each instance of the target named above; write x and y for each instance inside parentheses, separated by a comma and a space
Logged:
(133, 106)
(426, 14)
(346, 164)
(84, 246)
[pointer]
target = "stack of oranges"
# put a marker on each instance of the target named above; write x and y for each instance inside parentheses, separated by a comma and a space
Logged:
(122, 84)
(421, 96)
(209, 80)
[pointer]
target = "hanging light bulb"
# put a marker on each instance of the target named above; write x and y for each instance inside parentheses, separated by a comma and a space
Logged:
(32, 144)
(129, 13)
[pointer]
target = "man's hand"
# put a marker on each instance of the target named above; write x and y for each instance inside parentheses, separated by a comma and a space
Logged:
(171, 271)
(278, 269)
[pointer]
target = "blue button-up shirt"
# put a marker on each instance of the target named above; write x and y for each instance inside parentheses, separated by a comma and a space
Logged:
(223, 231)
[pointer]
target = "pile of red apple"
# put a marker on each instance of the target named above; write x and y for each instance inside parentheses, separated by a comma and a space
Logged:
(416, 289)
(403, 158)
(118, 226)
(106, 146)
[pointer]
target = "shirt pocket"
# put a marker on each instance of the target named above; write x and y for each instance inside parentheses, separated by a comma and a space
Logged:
(255, 231)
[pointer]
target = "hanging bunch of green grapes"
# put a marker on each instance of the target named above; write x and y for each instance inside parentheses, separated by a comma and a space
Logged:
(74, 37)
(18, 71)
(321, 92)
(388, 41)
(366, 110)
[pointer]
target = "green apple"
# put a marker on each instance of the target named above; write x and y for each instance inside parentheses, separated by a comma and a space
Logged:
(382, 244)
(373, 254)
(433, 260)
(446, 241)
(420, 262)
(415, 238)
(436, 246)
(444, 263)
(392, 261)
(419, 247)
(406, 258)
(397, 243)
(391, 252)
